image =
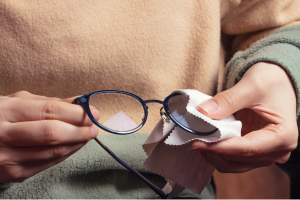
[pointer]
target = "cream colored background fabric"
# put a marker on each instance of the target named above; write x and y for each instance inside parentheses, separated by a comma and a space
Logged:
(65, 48)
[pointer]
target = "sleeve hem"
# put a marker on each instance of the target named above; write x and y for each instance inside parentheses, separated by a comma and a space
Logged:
(283, 50)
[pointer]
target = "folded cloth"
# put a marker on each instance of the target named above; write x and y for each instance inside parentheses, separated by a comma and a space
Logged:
(169, 147)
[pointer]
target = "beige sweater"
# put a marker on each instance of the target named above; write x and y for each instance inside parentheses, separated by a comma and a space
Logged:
(65, 48)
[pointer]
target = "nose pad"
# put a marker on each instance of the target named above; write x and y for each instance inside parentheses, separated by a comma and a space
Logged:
(143, 117)
(164, 116)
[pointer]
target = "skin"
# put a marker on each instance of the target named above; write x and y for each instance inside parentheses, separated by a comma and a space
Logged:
(38, 132)
(264, 101)
(49, 130)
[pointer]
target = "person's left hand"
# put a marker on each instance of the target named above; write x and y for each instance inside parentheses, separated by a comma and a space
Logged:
(264, 101)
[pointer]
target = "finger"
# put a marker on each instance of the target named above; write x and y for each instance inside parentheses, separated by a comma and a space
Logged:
(92, 108)
(24, 155)
(94, 111)
(46, 132)
(278, 157)
(18, 173)
(272, 144)
(228, 101)
(19, 110)
(225, 166)
(28, 95)
(259, 142)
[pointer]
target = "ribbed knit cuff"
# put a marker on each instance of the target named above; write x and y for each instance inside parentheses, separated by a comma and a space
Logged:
(282, 47)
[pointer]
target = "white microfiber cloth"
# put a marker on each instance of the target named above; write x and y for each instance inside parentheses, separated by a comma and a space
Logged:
(169, 146)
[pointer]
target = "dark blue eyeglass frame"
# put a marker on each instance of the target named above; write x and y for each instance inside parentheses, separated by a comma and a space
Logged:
(84, 101)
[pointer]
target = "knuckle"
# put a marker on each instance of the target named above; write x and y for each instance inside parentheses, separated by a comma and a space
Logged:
(283, 159)
(288, 135)
(13, 173)
(48, 110)
(85, 134)
(5, 103)
(246, 153)
(20, 94)
(249, 151)
(227, 98)
(293, 138)
(281, 130)
(50, 133)
(5, 135)
(4, 162)
(236, 150)
(258, 85)
(10, 171)
(58, 152)
(291, 146)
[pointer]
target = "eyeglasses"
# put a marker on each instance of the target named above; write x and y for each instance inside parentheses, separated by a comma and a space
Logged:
(124, 113)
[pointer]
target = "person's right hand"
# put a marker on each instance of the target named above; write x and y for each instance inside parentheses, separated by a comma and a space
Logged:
(38, 132)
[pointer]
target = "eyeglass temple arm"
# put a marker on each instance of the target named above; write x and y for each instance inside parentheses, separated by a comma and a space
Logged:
(151, 185)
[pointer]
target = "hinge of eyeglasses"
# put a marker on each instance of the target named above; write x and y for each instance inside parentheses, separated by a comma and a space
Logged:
(164, 116)
(75, 101)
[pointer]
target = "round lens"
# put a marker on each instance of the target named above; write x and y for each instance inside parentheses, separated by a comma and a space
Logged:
(118, 112)
(177, 104)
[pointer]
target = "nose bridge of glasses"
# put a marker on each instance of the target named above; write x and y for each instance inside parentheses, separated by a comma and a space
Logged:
(163, 114)
(153, 101)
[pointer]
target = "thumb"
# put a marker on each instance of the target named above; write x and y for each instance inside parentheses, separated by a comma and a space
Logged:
(227, 102)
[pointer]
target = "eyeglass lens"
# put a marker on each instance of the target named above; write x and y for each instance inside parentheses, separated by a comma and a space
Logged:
(177, 106)
(118, 112)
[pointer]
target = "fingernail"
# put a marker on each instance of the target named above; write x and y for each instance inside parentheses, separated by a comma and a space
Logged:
(207, 106)
(94, 132)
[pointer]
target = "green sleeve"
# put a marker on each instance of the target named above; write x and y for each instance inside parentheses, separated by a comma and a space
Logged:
(281, 47)
(5, 185)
